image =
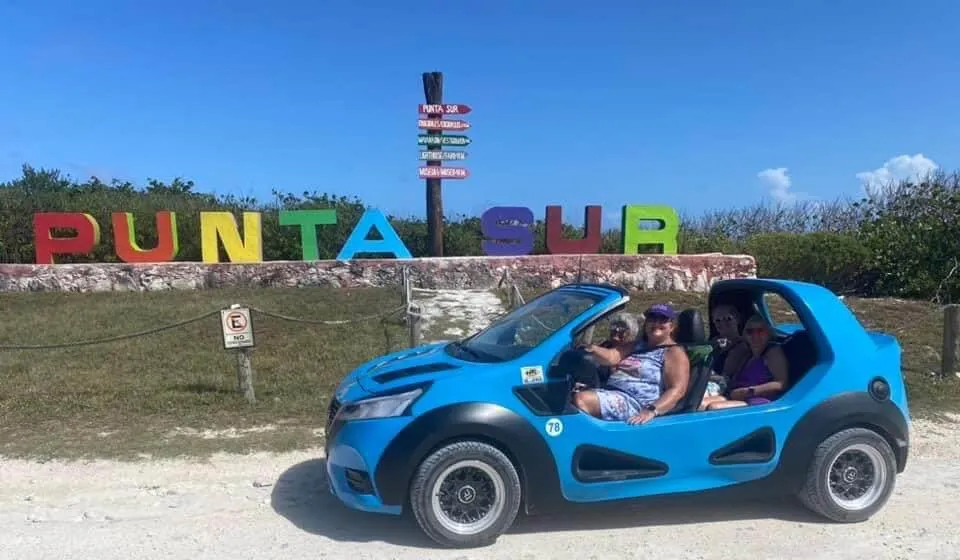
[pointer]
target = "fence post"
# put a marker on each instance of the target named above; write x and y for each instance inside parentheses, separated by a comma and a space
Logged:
(951, 331)
(245, 374)
(237, 329)
(414, 322)
(405, 296)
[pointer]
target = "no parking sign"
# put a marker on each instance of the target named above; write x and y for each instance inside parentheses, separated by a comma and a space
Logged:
(237, 327)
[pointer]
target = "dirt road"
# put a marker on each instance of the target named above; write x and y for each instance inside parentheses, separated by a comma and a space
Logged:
(275, 506)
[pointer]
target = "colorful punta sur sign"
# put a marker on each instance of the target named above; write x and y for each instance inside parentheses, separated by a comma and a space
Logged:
(443, 124)
(437, 172)
(444, 109)
(446, 140)
(436, 155)
(508, 231)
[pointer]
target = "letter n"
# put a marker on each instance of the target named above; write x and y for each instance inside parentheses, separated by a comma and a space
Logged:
(222, 226)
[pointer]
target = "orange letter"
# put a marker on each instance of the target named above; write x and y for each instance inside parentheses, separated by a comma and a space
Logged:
(46, 245)
(125, 239)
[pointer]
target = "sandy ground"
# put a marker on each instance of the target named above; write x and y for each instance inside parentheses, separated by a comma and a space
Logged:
(273, 506)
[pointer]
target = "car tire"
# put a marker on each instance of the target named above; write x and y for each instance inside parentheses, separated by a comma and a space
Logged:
(455, 484)
(851, 476)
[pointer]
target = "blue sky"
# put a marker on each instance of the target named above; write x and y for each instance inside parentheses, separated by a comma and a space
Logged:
(574, 103)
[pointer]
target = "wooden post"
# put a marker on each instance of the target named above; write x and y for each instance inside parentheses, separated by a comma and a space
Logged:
(413, 321)
(405, 296)
(245, 375)
(433, 92)
(951, 331)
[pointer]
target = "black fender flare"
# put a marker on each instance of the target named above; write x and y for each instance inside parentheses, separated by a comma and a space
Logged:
(494, 424)
(842, 411)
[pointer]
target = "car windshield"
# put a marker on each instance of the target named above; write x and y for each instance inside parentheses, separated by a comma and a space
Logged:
(524, 328)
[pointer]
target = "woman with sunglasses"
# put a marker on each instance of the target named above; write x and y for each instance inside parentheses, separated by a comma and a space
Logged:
(762, 379)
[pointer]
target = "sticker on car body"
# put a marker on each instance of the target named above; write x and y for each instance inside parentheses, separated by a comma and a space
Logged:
(531, 374)
(553, 427)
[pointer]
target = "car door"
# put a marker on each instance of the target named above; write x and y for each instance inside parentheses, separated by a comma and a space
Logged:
(602, 460)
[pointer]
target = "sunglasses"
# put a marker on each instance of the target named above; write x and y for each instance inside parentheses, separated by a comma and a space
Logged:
(724, 319)
(618, 330)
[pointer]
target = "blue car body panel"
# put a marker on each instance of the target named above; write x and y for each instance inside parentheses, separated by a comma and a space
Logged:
(672, 454)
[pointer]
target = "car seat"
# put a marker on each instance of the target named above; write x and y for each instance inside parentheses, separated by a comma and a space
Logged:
(691, 335)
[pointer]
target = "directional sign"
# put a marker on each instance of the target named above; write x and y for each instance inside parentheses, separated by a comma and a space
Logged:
(444, 109)
(435, 155)
(437, 172)
(237, 328)
(443, 124)
(437, 140)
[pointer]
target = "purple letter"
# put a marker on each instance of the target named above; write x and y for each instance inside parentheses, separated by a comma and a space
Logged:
(507, 232)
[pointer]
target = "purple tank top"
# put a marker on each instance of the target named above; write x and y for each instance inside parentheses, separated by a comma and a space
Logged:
(755, 372)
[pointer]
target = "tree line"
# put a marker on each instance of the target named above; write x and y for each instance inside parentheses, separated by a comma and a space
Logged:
(902, 240)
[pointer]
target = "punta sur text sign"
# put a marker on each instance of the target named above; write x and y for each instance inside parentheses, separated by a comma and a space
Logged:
(444, 108)
(237, 327)
(505, 231)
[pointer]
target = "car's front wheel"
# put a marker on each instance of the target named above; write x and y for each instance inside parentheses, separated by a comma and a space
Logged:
(465, 494)
(851, 476)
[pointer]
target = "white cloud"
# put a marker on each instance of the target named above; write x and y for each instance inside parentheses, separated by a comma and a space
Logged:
(778, 183)
(901, 168)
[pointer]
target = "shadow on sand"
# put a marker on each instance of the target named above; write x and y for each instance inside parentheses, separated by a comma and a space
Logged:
(301, 496)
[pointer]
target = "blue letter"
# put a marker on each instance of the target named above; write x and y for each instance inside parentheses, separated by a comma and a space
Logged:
(358, 242)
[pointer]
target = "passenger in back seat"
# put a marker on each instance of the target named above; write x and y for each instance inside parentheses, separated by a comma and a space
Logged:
(730, 350)
(762, 379)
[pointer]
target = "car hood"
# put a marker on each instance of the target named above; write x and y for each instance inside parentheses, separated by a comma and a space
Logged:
(405, 367)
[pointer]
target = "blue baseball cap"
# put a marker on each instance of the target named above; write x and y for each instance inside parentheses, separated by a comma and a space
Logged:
(660, 310)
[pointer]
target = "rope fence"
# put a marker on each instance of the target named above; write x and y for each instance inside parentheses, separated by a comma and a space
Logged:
(177, 324)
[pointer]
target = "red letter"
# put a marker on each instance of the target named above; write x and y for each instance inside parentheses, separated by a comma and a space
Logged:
(125, 240)
(46, 245)
(590, 244)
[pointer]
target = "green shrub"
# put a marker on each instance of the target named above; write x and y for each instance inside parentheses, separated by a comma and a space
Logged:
(835, 260)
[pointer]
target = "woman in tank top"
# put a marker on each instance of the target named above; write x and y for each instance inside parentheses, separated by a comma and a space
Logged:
(649, 376)
(762, 379)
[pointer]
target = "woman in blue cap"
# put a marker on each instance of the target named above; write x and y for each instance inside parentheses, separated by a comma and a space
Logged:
(649, 376)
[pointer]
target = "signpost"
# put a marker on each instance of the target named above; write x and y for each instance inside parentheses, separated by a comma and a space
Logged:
(434, 140)
(443, 124)
(433, 155)
(444, 109)
(238, 333)
(447, 140)
(436, 172)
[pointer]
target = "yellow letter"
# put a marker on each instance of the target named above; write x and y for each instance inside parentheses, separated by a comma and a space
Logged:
(223, 226)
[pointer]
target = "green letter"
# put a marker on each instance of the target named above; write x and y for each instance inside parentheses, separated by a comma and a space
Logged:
(633, 235)
(308, 220)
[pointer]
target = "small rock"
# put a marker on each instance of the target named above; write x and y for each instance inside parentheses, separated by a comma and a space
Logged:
(261, 484)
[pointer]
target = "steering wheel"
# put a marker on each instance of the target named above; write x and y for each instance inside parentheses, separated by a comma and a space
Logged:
(580, 367)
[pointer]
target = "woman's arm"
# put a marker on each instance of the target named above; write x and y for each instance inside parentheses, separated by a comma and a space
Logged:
(676, 376)
(607, 356)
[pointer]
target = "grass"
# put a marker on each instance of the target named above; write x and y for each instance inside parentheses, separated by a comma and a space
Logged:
(174, 392)
(138, 396)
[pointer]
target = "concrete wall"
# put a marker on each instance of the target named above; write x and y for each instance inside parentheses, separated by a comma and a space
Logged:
(635, 272)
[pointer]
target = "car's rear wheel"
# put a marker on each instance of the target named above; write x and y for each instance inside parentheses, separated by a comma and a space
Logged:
(465, 494)
(851, 476)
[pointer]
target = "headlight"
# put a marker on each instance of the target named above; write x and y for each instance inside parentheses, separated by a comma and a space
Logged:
(379, 407)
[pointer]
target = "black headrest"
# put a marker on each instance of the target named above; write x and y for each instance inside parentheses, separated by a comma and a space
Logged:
(690, 327)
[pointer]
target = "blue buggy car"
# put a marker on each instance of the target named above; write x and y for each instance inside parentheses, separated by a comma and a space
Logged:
(465, 434)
